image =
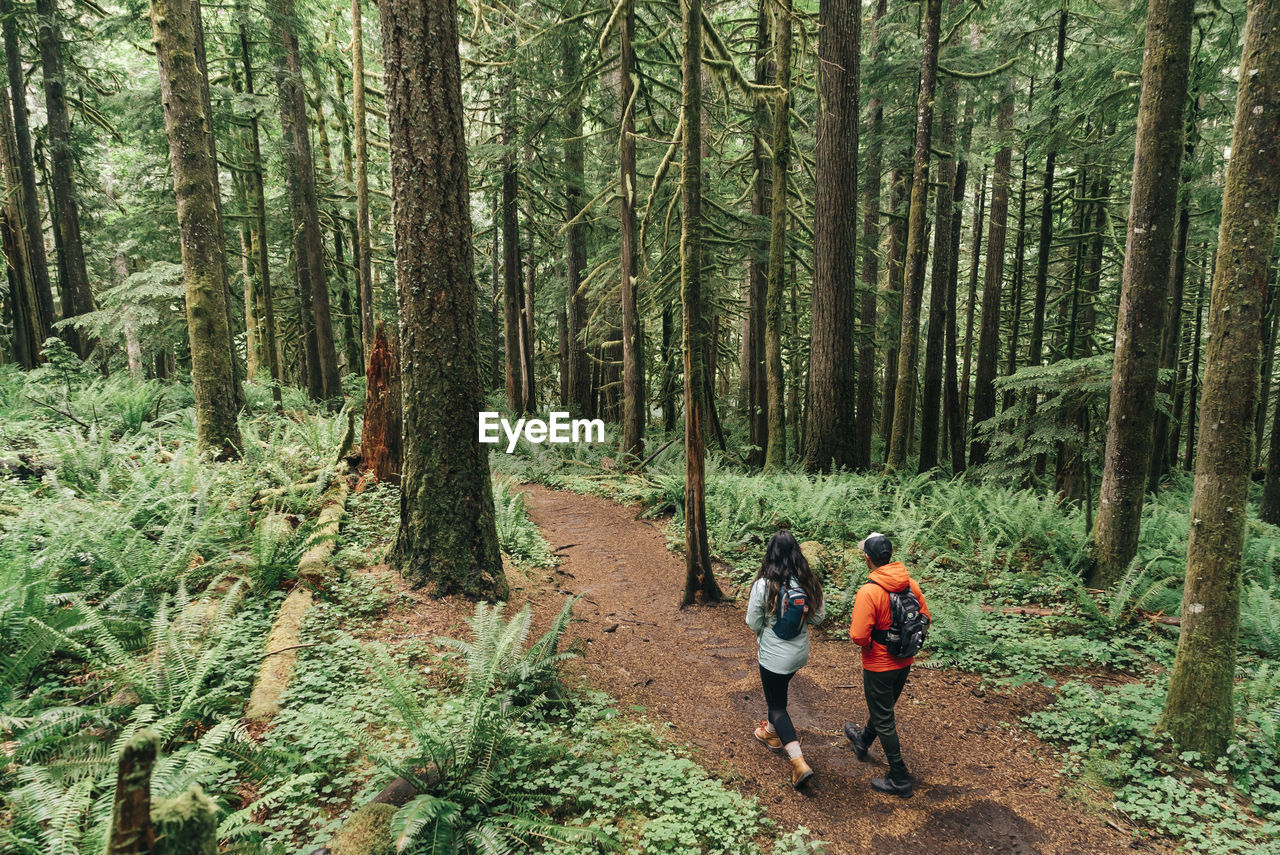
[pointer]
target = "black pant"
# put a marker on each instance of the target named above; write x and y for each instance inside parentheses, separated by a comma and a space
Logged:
(775, 697)
(882, 689)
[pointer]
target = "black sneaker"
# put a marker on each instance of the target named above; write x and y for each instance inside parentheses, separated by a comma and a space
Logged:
(901, 786)
(854, 735)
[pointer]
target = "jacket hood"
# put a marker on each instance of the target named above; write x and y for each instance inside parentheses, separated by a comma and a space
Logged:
(892, 576)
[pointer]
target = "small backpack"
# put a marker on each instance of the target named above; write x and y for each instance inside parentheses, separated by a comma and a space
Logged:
(793, 608)
(908, 625)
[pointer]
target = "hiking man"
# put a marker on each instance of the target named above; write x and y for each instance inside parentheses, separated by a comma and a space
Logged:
(890, 620)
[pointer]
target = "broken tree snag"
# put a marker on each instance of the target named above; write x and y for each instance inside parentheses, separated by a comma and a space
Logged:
(131, 832)
(186, 824)
(380, 439)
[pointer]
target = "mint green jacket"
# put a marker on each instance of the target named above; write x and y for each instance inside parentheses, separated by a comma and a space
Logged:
(779, 655)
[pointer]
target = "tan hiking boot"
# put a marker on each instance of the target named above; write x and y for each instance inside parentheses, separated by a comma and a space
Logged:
(800, 772)
(769, 740)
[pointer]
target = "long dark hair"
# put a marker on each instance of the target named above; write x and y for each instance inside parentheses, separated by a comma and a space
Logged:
(783, 559)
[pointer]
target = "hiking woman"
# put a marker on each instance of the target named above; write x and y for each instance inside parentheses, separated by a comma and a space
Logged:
(786, 599)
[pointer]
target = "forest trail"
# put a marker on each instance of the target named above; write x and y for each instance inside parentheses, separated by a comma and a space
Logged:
(987, 785)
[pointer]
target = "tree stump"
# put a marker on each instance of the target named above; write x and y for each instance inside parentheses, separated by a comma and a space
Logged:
(131, 831)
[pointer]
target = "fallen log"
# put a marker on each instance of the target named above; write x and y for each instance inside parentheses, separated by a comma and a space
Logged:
(1032, 611)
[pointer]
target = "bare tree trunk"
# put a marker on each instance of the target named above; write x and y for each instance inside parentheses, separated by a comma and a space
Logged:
(831, 402)
(634, 404)
(984, 392)
(447, 537)
(1199, 711)
(1152, 207)
(917, 244)
(29, 198)
(899, 189)
(213, 377)
(1193, 391)
(699, 575)
(757, 403)
(979, 210)
(511, 259)
(940, 311)
(865, 418)
(360, 121)
(271, 345)
(313, 283)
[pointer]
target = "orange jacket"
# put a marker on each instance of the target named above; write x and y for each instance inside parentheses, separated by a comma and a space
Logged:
(871, 611)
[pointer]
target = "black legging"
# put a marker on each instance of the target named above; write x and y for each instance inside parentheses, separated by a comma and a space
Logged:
(775, 697)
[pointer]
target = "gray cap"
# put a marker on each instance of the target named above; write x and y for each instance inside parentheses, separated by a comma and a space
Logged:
(877, 547)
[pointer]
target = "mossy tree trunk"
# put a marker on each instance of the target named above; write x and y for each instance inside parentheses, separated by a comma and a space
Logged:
(213, 379)
(73, 281)
(634, 404)
(830, 438)
(448, 539)
(1199, 711)
(984, 391)
(954, 415)
(131, 829)
(1144, 286)
(699, 575)
(29, 326)
(775, 455)
(904, 405)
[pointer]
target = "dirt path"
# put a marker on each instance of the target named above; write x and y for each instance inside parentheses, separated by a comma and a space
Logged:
(986, 785)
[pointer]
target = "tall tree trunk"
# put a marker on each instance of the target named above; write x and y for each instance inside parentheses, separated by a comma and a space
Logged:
(1193, 390)
(979, 211)
(448, 538)
(1268, 364)
(1145, 282)
(940, 310)
(917, 244)
(73, 281)
(1019, 269)
(776, 450)
(955, 419)
(757, 272)
(866, 403)
(213, 378)
(634, 404)
(984, 392)
(313, 282)
(699, 575)
(359, 119)
(1199, 711)
(527, 342)
(271, 346)
(1169, 341)
(832, 399)
(511, 287)
(575, 232)
(667, 383)
(899, 189)
(1035, 347)
(29, 328)
(30, 199)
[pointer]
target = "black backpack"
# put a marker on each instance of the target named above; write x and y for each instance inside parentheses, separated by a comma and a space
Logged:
(793, 608)
(908, 625)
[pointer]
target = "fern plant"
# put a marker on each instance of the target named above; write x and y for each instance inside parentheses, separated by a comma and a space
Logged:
(463, 756)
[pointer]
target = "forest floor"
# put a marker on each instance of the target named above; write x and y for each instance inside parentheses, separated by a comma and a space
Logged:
(986, 783)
